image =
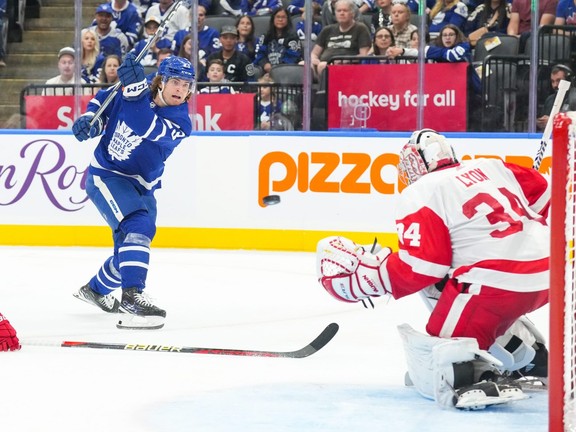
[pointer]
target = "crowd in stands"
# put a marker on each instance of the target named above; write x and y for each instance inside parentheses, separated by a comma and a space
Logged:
(384, 29)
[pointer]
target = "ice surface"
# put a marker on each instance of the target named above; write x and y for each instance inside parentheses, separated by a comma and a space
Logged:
(230, 299)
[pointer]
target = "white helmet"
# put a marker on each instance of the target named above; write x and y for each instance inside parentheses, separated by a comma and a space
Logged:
(425, 152)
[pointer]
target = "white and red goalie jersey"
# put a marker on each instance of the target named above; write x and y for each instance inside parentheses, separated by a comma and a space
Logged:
(481, 221)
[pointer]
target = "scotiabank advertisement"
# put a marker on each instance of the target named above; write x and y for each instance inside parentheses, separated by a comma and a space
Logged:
(214, 112)
(385, 96)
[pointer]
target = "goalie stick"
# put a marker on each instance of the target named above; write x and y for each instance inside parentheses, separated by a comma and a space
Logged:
(317, 344)
(563, 87)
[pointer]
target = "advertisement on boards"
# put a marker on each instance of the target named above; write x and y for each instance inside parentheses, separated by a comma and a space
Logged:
(214, 112)
(384, 97)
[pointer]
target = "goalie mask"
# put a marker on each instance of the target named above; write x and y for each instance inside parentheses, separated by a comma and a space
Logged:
(425, 152)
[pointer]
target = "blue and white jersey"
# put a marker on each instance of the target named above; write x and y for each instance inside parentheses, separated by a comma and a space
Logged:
(286, 50)
(457, 15)
(115, 42)
(128, 21)
(208, 41)
(295, 6)
(138, 138)
(301, 27)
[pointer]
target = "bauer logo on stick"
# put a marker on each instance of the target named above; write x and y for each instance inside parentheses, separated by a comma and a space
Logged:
(269, 200)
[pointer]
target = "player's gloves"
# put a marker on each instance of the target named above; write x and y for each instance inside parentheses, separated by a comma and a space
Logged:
(131, 71)
(132, 77)
(82, 130)
(8, 339)
(348, 272)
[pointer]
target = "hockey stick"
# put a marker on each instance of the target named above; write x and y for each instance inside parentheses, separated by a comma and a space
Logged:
(139, 58)
(317, 344)
(563, 87)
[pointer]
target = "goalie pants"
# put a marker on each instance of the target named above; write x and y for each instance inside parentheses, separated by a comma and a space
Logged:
(480, 312)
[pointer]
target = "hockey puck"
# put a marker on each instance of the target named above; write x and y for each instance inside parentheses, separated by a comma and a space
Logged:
(271, 200)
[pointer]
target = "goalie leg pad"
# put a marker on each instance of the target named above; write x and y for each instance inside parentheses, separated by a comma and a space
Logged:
(438, 367)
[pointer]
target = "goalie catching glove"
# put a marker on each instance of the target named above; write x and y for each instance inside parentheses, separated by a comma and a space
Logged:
(350, 273)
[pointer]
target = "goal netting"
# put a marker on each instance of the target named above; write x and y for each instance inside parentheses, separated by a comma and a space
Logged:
(562, 361)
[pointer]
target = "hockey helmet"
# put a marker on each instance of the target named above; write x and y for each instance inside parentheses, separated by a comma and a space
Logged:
(176, 67)
(425, 152)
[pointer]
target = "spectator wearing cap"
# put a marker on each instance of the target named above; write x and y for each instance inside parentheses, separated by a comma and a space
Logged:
(179, 20)
(237, 66)
(112, 40)
(127, 18)
(66, 67)
(208, 37)
(150, 28)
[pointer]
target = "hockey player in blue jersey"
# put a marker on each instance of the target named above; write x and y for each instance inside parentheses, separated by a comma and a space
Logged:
(140, 128)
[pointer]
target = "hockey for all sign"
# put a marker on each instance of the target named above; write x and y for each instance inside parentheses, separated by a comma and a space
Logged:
(385, 97)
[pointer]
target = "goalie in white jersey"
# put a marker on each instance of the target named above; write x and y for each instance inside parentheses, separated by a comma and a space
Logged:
(478, 229)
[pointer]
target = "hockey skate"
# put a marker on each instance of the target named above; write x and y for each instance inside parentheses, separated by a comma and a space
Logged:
(140, 312)
(486, 393)
(108, 303)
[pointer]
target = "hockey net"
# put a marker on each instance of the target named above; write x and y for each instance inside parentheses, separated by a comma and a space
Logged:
(562, 361)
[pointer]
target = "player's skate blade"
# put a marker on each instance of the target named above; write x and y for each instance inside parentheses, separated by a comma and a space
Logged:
(139, 322)
(108, 303)
(141, 313)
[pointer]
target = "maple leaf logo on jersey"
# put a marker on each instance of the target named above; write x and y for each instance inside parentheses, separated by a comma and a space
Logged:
(123, 142)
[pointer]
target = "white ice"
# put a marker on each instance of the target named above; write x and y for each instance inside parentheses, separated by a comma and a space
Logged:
(221, 299)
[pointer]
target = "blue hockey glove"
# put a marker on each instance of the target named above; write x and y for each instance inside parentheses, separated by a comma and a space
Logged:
(131, 72)
(82, 130)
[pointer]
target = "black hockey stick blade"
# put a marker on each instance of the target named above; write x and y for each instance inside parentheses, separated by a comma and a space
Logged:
(317, 344)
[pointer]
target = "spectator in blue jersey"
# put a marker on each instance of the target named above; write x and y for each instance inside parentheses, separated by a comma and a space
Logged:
(268, 103)
(139, 129)
(215, 75)
(237, 65)
(246, 38)
(150, 28)
(280, 45)
(208, 37)
(447, 12)
(260, 7)
(112, 40)
(127, 18)
(451, 46)
(91, 58)
(179, 21)
(300, 26)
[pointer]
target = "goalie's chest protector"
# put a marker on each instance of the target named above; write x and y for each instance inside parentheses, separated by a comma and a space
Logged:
(478, 211)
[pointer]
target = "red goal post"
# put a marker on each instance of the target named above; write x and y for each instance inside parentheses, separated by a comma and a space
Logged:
(562, 360)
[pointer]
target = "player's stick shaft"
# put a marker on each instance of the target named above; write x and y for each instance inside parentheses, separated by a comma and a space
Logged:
(563, 88)
(139, 58)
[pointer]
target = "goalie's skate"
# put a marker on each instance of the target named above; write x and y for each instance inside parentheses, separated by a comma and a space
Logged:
(108, 303)
(486, 393)
(140, 312)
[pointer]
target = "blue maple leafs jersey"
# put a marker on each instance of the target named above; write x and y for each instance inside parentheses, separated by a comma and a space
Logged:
(138, 138)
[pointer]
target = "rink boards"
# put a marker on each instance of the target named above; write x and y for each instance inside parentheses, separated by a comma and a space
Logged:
(212, 191)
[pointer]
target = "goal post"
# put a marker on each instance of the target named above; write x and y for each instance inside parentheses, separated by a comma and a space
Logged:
(562, 366)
